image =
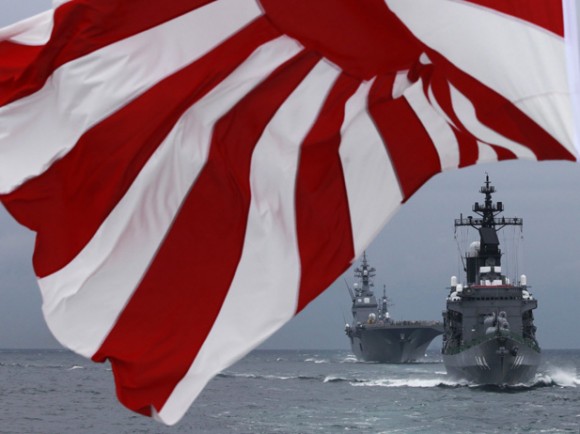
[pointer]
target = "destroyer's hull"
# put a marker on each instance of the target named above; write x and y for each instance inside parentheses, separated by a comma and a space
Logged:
(497, 361)
(393, 344)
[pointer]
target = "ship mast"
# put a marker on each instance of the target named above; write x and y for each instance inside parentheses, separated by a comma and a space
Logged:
(488, 253)
(365, 273)
(384, 306)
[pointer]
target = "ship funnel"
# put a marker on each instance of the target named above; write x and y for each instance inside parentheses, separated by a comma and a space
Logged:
(523, 280)
(453, 280)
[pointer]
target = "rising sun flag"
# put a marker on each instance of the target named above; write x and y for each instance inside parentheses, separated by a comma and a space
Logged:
(198, 171)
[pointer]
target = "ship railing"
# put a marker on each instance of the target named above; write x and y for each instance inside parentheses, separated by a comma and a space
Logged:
(459, 348)
(381, 323)
(476, 341)
(421, 323)
(498, 221)
(532, 343)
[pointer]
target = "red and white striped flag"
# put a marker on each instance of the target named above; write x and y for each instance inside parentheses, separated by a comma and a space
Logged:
(198, 171)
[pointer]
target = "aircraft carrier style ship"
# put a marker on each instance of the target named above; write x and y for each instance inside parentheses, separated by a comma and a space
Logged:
(374, 336)
(489, 327)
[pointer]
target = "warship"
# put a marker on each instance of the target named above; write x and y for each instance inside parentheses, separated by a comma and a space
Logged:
(489, 334)
(374, 336)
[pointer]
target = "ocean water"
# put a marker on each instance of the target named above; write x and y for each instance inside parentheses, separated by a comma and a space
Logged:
(306, 392)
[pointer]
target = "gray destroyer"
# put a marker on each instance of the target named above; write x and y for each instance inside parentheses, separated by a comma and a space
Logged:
(490, 337)
(374, 336)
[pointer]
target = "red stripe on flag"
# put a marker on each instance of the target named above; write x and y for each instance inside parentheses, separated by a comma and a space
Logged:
(544, 13)
(15, 59)
(68, 203)
(363, 37)
(162, 328)
(501, 115)
(322, 213)
(410, 148)
(439, 86)
(468, 151)
(503, 153)
(81, 27)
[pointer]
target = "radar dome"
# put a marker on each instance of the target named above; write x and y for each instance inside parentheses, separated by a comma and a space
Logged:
(474, 248)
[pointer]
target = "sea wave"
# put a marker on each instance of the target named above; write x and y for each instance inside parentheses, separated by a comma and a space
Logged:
(411, 382)
(266, 377)
(335, 379)
(72, 368)
(555, 377)
(562, 377)
(317, 361)
(29, 365)
(349, 359)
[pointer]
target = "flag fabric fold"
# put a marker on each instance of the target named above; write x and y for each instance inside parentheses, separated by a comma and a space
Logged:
(197, 172)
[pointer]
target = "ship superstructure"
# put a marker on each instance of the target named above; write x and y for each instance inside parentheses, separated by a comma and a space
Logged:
(490, 336)
(374, 336)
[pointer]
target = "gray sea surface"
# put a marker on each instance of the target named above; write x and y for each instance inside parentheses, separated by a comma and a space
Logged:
(293, 392)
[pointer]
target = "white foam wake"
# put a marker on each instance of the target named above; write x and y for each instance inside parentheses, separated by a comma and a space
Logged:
(411, 382)
(557, 376)
(317, 361)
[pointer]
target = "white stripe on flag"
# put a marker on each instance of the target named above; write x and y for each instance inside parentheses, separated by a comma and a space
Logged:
(264, 292)
(572, 35)
(436, 126)
(83, 92)
(372, 187)
(528, 60)
(400, 84)
(485, 153)
(83, 300)
(31, 31)
(437, 107)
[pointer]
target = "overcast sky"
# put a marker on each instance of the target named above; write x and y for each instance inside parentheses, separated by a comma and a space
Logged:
(415, 255)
